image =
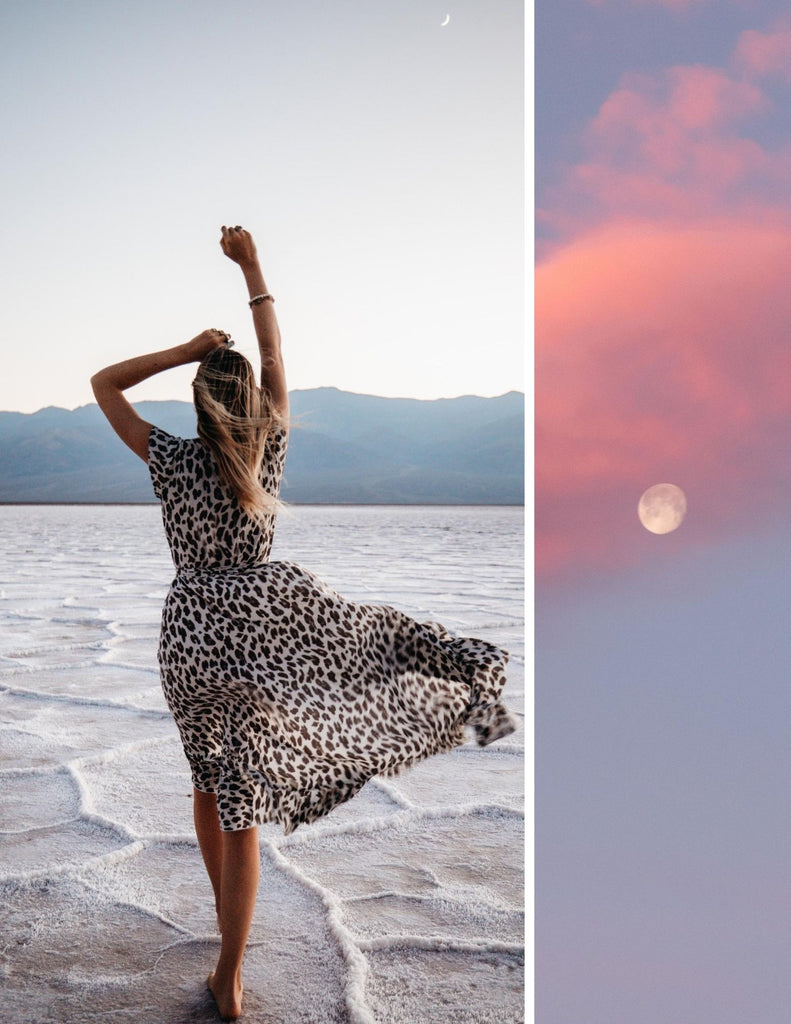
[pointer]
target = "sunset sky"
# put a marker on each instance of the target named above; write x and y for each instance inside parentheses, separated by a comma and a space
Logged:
(663, 298)
(376, 154)
(663, 354)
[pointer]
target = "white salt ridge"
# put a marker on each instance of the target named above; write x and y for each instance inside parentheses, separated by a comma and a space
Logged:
(112, 686)
(402, 906)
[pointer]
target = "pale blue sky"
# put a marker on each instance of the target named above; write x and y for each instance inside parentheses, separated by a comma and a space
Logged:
(376, 156)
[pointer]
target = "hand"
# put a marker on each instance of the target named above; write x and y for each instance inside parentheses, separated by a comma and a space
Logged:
(238, 245)
(206, 342)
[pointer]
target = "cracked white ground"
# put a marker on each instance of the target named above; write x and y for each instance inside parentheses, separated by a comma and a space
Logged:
(403, 905)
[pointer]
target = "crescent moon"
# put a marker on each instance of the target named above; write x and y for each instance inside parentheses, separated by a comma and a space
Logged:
(662, 508)
(445, 22)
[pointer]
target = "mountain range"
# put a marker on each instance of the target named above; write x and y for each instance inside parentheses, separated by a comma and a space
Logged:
(344, 449)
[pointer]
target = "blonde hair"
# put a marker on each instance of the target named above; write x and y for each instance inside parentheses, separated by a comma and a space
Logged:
(235, 420)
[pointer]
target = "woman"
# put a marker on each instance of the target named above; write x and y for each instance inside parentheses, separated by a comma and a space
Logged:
(287, 697)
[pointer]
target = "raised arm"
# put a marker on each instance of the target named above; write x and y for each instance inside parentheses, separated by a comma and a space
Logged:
(238, 245)
(110, 383)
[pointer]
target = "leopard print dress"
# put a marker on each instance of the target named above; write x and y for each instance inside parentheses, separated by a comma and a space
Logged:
(288, 697)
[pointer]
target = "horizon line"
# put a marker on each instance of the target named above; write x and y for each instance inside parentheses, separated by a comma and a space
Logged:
(292, 391)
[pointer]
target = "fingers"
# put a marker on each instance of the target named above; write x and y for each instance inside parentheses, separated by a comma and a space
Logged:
(209, 341)
(237, 243)
(229, 236)
(221, 337)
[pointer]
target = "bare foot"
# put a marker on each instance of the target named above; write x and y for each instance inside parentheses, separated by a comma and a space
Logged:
(228, 997)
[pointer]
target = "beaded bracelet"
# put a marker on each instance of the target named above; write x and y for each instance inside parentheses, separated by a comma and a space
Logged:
(257, 299)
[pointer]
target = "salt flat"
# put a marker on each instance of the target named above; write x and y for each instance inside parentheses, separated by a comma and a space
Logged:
(402, 906)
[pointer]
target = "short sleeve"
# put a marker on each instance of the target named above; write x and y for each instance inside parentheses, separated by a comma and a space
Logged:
(162, 451)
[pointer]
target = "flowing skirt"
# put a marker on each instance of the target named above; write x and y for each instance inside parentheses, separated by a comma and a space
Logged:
(288, 697)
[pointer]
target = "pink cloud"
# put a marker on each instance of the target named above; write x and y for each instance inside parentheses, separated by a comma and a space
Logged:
(663, 353)
(765, 54)
(669, 145)
(663, 314)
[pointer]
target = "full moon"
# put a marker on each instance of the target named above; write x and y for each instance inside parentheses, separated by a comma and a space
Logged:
(662, 508)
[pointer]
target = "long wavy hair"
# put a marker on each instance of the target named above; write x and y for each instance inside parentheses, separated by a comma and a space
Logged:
(236, 419)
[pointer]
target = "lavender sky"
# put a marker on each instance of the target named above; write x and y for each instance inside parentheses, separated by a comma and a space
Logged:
(377, 156)
(663, 354)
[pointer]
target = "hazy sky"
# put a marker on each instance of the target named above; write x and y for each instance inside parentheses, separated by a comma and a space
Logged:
(663, 662)
(376, 156)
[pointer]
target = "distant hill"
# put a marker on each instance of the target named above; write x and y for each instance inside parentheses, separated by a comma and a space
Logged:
(344, 449)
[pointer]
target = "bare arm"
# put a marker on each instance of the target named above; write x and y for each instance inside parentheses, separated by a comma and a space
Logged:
(238, 246)
(110, 383)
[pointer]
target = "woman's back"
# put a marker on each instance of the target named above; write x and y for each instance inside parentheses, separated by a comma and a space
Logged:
(205, 525)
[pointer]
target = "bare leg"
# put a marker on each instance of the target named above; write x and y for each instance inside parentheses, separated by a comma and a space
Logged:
(207, 828)
(239, 886)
